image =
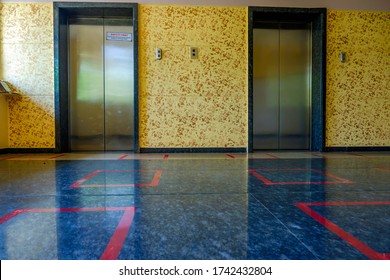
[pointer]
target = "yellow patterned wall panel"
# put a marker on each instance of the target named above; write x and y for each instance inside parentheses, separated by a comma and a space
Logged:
(358, 91)
(3, 122)
(29, 23)
(26, 61)
(193, 103)
(31, 121)
(29, 68)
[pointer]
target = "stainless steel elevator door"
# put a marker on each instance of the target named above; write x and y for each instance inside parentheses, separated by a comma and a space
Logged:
(266, 89)
(101, 69)
(281, 87)
(86, 84)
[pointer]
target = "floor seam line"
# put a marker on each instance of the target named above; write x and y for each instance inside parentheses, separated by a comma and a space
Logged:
(293, 234)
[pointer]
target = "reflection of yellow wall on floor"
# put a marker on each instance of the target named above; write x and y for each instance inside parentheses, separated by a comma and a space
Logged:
(358, 91)
(26, 61)
(193, 103)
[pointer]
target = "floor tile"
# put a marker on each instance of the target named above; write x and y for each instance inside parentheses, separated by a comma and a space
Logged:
(265, 205)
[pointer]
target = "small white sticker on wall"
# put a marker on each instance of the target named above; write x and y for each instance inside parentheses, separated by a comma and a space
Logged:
(119, 36)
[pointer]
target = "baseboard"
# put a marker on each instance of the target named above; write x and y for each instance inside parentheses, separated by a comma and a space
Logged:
(4, 151)
(28, 150)
(193, 150)
(357, 149)
(196, 150)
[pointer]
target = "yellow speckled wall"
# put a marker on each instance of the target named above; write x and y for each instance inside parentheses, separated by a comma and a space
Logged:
(26, 61)
(358, 91)
(3, 122)
(193, 103)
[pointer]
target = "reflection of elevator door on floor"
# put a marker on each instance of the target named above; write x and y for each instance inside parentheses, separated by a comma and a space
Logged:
(281, 88)
(101, 84)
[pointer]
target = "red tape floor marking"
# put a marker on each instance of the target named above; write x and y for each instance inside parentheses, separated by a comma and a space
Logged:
(272, 156)
(268, 182)
(154, 183)
(115, 245)
(54, 157)
(347, 237)
(123, 157)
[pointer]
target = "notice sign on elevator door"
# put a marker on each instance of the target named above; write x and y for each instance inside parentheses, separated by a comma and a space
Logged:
(119, 36)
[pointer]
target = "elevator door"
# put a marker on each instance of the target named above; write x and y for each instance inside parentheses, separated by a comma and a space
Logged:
(282, 87)
(101, 84)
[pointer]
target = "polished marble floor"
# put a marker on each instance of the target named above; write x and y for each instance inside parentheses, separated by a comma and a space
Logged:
(271, 205)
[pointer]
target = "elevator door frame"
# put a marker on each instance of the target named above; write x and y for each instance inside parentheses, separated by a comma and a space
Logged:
(317, 18)
(62, 11)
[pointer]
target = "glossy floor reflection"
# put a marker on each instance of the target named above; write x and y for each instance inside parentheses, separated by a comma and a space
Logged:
(195, 206)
